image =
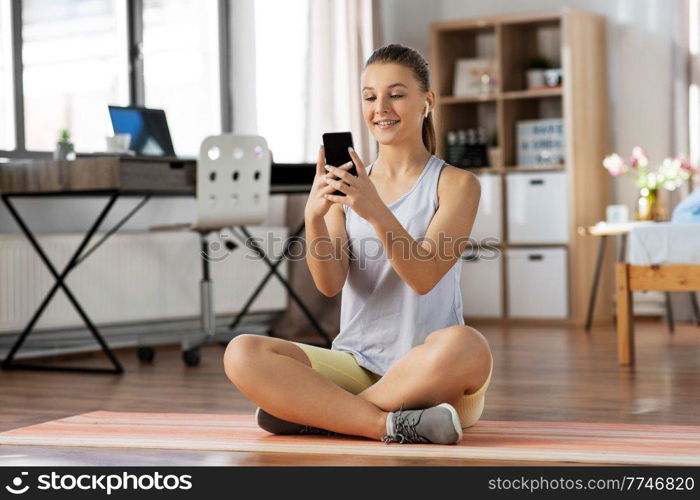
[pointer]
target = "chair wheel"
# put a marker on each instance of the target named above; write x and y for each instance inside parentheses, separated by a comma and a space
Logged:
(191, 356)
(146, 354)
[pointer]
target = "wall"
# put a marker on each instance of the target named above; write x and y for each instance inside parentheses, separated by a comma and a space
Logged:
(407, 22)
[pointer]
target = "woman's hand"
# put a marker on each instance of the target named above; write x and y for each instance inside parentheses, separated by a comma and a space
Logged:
(316, 205)
(360, 193)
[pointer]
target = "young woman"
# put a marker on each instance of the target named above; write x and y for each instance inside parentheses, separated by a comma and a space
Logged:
(404, 367)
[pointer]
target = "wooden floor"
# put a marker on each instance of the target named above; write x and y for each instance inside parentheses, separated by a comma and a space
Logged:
(540, 373)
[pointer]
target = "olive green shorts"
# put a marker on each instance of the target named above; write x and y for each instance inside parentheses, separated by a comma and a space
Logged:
(343, 370)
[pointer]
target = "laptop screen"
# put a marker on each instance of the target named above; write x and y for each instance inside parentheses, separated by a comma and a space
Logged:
(148, 129)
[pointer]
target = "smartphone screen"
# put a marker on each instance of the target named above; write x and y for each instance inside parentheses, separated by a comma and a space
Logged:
(336, 146)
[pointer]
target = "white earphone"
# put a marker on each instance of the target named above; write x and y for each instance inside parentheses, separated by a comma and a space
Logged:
(427, 108)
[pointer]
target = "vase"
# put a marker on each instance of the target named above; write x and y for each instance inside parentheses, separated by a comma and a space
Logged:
(64, 151)
(649, 206)
(553, 77)
(535, 79)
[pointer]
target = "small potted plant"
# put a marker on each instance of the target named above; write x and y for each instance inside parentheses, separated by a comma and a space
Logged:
(65, 150)
(553, 77)
(536, 71)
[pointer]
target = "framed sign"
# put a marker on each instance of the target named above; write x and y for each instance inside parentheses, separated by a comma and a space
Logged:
(540, 142)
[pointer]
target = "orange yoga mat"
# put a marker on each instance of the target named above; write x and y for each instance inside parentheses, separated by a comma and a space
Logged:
(598, 443)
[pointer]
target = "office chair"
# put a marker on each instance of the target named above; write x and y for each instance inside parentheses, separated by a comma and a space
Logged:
(233, 189)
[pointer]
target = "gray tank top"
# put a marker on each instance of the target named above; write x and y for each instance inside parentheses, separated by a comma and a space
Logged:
(381, 317)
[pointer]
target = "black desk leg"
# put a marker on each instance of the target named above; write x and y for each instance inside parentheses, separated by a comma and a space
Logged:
(669, 312)
(596, 281)
(273, 270)
(60, 282)
(622, 256)
(696, 309)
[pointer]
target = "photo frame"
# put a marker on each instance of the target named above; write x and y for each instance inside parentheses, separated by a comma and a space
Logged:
(474, 77)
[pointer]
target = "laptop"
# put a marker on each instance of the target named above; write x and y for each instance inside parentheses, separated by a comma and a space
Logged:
(150, 135)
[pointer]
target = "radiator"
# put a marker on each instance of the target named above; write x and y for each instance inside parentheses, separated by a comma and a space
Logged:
(135, 277)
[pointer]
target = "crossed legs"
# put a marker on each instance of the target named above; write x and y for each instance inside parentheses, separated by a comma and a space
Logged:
(276, 375)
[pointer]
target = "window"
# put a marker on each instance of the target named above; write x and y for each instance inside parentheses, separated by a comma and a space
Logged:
(694, 88)
(280, 44)
(181, 68)
(74, 56)
(7, 129)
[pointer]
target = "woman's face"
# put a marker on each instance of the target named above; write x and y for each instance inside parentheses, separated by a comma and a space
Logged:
(390, 93)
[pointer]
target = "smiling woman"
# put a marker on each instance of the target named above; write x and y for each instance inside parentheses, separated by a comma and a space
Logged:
(404, 366)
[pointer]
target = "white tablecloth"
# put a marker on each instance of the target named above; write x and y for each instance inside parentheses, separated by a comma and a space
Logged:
(664, 243)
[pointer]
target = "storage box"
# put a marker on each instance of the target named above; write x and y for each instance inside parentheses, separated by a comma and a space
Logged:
(537, 283)
(481, 284)
(537, 207)
(488, 223)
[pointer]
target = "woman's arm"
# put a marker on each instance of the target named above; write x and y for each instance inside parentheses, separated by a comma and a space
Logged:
(326, 244)
(422, 264)
(325, 232)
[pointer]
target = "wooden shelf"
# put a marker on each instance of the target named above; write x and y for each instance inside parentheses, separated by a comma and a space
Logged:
(535, 245)
(533, 94)
(497, 96)
(448, 99)
(492, 21)
(547, 168)
(575, 41)
(485, 170)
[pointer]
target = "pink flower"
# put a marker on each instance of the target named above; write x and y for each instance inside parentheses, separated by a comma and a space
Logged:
(615, 164)
(682, 162)
(639, 158)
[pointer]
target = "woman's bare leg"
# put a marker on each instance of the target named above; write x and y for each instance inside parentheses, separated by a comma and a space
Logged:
(452, 362)
(277, 376)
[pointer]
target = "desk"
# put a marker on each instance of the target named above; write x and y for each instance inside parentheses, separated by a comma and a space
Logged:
(662, 257)
(115, 176)
(603, 230)
(128, 175)
(663, 277)
(628, 279)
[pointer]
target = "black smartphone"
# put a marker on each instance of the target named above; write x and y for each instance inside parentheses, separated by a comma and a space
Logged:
(336, 146)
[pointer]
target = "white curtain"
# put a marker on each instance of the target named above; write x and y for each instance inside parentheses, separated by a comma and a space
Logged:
(691, 66)
(686, 108)
(342, 35)
(685, 73)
